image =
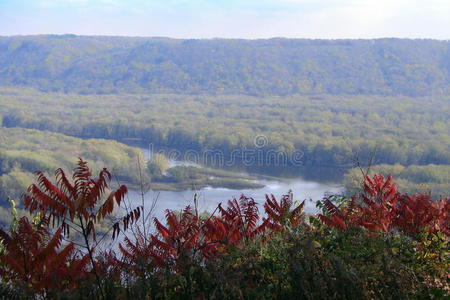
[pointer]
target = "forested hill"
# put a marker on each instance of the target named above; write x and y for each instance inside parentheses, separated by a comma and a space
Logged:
(89, 65)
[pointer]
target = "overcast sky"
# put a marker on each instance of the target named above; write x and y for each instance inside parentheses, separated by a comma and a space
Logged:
(229, 18)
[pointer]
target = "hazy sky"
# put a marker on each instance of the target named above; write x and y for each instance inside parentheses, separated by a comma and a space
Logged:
(229, 18)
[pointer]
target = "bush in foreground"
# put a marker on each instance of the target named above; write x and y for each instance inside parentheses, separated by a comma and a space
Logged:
(379, 244)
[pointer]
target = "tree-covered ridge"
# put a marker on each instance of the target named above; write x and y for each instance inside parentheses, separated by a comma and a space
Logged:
(86, 64)
(331, 131)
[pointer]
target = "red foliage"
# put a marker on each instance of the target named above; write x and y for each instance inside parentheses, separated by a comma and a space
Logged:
(377, 213)
(78, 205)
(341, 217)
(33, 256)
(418, 211)
(382, 208)
(170, 248)
(80, 202)
(241, 219)
(237, 223)
(380, 199)
(136, 255)
(281, 213)
(174, 244)
(444, 215)
(187, 238)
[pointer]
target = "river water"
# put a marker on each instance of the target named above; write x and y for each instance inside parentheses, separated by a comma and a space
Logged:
(157, 202)
(209, 198)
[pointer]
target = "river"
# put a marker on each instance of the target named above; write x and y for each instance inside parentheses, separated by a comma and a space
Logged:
(157, 202)
(209, 198)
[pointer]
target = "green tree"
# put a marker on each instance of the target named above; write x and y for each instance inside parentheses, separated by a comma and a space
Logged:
(158, 165)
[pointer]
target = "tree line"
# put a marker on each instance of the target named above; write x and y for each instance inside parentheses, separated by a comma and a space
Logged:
(326, 130)
(105, 65)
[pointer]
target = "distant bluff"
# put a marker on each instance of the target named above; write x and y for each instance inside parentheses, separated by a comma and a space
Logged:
(98, 64)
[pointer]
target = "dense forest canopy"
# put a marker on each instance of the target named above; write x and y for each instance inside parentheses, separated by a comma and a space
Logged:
(329, 130)
(333, 101)
(86, 64)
